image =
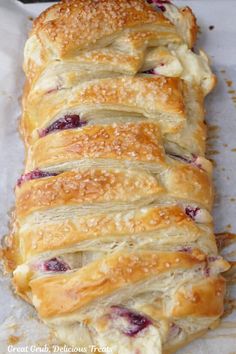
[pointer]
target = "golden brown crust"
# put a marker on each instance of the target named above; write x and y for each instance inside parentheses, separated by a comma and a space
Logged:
(101, 186)
(56, 29)
(190, 183)
(58, 295)
(127, 142)
(54, 24)
(85, 187)
(192, 25)
(62, 234)
(204, 299)
(150, 97)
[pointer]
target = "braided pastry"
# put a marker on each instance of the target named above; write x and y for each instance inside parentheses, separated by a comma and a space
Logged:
(112, 239)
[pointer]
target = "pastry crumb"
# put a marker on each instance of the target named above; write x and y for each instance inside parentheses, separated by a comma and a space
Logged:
(13, 339)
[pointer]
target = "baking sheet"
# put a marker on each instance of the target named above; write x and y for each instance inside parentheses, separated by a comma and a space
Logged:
(19, 326)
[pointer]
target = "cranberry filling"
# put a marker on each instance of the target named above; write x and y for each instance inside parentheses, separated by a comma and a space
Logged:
(192, 161)
(154, 70)
(159, 3)
(34, 175)
(210, 259)
(53, 90)
(192, 212)
(186, 249)
(207, 271)
(55, 265)
(69, 121)
(151, 71)
(136, 321)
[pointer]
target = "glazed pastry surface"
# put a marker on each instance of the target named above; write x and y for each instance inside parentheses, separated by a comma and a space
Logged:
(112, 238)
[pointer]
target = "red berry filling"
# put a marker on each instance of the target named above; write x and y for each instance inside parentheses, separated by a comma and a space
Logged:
(154, 70)
(192, 161)
(210, 259)
(151, 71)
(186, 249)
(136, 322)
(159, 3)
(55, 265)
(70, 121)
(207, 271)
(34, 175)
(192, 212)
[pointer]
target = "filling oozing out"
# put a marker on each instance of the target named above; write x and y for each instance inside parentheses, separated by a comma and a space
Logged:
(67, 261)
(69, 121)
(126, 331)
(186, 249)
(208, 268)
(198, 214)
(192, 212)
(193, 161)
(55, 265)
(34, 175)
(154, 70)
(159, 3)
(54, 89)
(134, 322)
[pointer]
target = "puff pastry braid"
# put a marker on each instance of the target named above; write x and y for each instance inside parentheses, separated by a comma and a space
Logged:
(112, 240)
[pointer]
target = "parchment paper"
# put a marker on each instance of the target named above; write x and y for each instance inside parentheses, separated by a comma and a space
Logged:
(19, 325)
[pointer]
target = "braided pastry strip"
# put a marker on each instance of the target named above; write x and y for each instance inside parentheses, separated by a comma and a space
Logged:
(112, 239)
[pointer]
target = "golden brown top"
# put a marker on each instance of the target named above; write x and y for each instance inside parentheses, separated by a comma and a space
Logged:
(156, 97)
(85, 187)
(192, 299)
(121, 226)
(76, 289)
(133, 142)
(116, 197)
(60, 25)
